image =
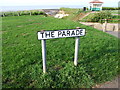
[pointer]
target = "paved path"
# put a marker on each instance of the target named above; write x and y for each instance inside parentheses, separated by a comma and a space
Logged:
(87, 14)
(116, 34)
(110, 84)
(84, 16)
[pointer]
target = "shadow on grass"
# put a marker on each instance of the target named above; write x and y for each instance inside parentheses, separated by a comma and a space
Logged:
(103, 64)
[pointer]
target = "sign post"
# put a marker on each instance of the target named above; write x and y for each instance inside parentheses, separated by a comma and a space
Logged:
(44, 35)
(77, 39)
(43, 42)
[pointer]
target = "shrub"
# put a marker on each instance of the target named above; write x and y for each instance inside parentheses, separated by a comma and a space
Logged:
(110, 8)
(21, 13)
(36, 12)
(25, 13)
(97, 17)
(8, 13)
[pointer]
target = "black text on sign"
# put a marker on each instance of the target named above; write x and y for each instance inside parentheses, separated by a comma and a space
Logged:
(60, 34)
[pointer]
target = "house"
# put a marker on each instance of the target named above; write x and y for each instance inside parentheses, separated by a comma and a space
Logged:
(96, 5)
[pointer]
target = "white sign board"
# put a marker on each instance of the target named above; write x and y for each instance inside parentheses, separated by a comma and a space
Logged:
(60, 34)
(43, 35)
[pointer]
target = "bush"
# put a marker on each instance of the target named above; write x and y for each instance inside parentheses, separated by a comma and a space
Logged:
(97, 17)
(110, 8)
(25, 13)
(35, 12)
(21, 13)
(8, 13)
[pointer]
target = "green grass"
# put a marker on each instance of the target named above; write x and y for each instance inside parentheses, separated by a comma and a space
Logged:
(71, 10)
(22, 59)
(74, 13)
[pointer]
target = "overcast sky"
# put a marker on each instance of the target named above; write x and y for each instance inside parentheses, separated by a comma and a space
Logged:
(107, 3)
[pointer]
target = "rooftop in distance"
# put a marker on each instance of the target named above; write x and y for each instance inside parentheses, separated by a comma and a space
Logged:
(96, 1)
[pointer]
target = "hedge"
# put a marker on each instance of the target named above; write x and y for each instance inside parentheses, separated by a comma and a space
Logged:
(111, 8)
(21, 13)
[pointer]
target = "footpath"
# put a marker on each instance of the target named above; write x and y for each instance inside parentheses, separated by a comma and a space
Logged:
(116, 34)
(115, 84)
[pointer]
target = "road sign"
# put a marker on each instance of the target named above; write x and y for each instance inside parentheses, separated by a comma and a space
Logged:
(43, 35)
(60, 34)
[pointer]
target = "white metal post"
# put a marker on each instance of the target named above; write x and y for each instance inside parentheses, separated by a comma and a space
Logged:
(43, 42)
(77, 39)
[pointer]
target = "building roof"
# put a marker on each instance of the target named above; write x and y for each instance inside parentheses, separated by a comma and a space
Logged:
(96, 1)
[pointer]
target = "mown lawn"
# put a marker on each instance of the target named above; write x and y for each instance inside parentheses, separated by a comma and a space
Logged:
(22, 61)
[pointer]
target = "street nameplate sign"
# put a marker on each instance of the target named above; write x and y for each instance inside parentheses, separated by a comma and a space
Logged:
(60, 34)
(43, 35)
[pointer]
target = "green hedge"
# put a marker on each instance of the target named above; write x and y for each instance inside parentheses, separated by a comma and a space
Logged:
(98, 17)
(110, 8)
(21, 13)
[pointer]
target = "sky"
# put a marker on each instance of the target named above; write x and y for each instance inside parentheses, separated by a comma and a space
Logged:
(107, 3)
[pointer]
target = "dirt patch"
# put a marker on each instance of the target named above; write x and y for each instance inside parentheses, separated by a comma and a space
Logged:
(25, 34)
(110, 84)
(31, 20)
(35, 23)
(57, 67)
(19, 26)
(1, 32)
